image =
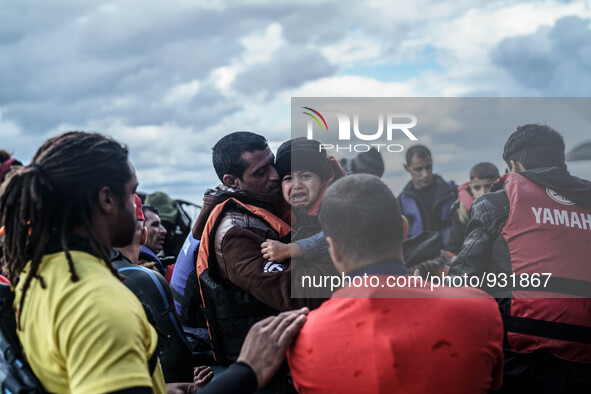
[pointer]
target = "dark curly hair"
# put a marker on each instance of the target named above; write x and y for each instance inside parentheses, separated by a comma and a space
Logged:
(55, 193)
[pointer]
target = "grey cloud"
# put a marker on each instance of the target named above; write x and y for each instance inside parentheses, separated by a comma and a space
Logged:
(96, 65)
(70, 61)
(21, 18)
(86, 89)
(80, 68)
(288, 68)
(553, 61)
(108, 63)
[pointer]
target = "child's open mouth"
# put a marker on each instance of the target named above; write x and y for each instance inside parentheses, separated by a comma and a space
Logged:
(299, 196)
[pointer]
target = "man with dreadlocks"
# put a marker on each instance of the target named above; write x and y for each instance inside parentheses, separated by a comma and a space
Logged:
(81, 329)
(6, 163)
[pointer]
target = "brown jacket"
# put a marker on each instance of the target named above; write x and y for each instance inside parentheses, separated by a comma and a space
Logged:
(238, 242)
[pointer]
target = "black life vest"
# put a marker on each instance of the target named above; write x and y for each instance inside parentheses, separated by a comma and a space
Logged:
(229, 310)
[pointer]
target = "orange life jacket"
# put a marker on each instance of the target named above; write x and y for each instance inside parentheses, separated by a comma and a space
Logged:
(228, 310)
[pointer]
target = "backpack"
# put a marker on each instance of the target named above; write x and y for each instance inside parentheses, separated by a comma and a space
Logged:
(16, 376)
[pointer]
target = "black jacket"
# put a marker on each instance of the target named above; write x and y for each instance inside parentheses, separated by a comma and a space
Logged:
(433, 218)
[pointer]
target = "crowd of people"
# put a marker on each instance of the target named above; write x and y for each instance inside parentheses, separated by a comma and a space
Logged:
(98, 309)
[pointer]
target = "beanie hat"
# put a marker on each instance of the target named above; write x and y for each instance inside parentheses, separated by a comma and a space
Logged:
(424, 246)
(139, 214)
(166, 206)
(369, 162)
(302, 154)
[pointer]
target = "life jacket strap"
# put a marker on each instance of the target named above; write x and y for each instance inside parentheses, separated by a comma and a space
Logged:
(547, 329)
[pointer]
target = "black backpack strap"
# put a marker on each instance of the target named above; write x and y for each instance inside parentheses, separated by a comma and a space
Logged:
(550, 329)
(152, 362)
(16, 375)
(547, 329)
(557, 284)
(162, 338)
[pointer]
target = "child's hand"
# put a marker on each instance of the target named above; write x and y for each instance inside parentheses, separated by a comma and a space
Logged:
(275, 251)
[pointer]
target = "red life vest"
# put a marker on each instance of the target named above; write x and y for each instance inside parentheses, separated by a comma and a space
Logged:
(336, 172)
(465, 196)
(546, 233)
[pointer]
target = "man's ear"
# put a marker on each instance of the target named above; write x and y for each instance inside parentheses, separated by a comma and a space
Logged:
(512, 166)
(106, 199)
(231, 181)
(515, 166)
(144, 236)
(404, 228)
(335, 254)
(406, 167)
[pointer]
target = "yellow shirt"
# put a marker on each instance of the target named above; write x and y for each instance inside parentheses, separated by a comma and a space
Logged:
(88, 336)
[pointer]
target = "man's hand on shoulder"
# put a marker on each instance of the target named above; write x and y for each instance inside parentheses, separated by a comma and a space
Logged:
(267, 341)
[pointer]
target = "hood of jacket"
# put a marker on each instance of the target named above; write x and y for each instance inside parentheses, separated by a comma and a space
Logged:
(560, 180)
(221, 193)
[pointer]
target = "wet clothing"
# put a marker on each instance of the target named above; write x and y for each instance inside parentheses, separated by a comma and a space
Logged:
(154, 293)
(428, 208)
(399, 339)
(87, 336)
(532, 222)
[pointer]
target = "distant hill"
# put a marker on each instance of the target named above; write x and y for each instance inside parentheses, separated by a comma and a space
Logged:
(581, 152)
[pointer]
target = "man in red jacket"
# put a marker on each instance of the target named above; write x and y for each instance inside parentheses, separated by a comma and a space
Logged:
(373, 337)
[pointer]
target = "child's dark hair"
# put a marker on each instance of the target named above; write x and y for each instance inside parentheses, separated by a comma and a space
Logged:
(484, 171)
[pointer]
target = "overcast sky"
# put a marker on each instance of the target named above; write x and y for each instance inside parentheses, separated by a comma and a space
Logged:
(169, 78)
